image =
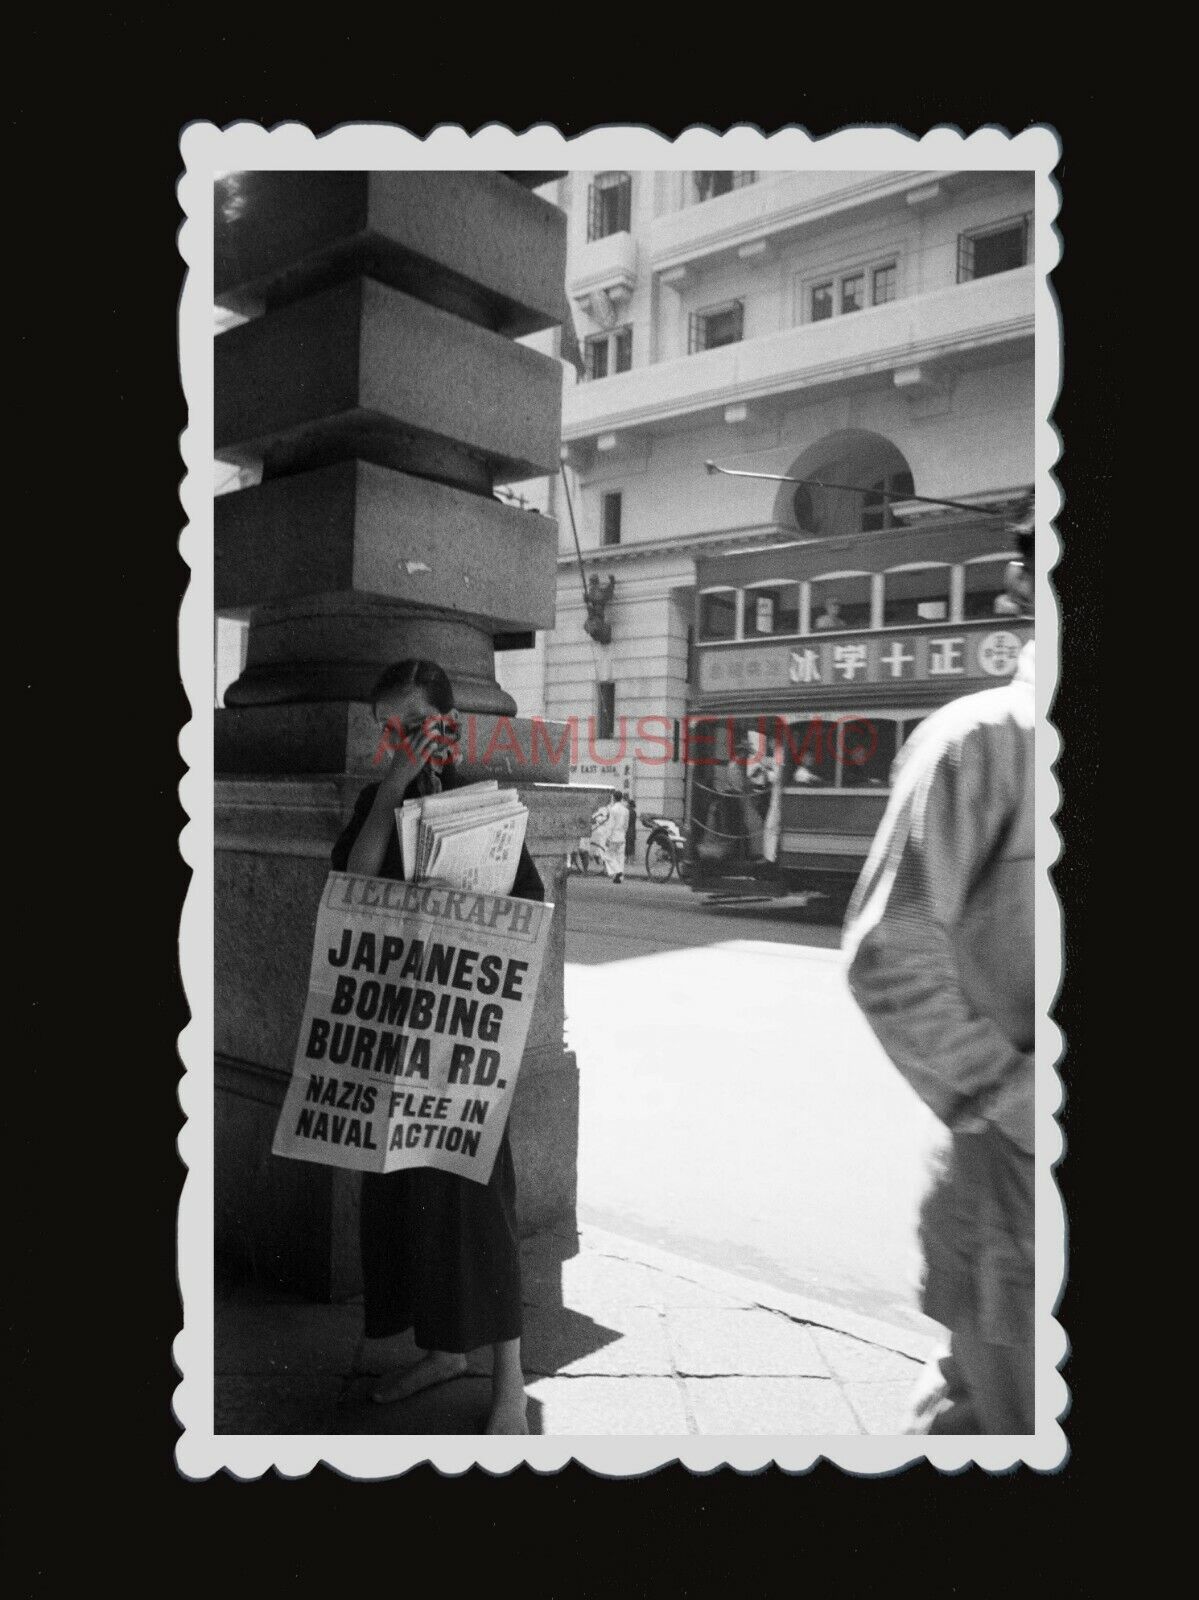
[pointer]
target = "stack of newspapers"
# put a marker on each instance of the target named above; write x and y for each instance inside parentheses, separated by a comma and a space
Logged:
(469, 837)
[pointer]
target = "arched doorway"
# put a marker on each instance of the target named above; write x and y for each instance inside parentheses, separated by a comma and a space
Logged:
(852, 456)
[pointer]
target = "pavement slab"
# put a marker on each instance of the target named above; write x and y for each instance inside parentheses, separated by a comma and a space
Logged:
(882, 1407)
(592, 1282)
(744, 1343)
(643, 1343)
(857, 1360)
(786, 1407)
(626, 1341)
(609, 1406)
(261, 1403)
(287, 1335)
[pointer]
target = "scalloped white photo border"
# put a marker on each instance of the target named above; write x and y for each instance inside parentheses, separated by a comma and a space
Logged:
(207, 151)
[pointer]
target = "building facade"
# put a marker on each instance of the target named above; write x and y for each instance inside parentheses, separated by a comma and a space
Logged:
(866, 329)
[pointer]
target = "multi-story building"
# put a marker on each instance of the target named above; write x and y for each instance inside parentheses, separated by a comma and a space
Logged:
(869, 329)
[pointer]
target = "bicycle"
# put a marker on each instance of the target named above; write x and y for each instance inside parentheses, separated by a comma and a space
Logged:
(665, 851)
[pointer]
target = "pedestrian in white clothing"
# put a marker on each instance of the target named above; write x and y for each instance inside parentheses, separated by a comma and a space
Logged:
(609, 834)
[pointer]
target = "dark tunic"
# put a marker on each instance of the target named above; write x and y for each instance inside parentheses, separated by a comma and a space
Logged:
(440, 1253)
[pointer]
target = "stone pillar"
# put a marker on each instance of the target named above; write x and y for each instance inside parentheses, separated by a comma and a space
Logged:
(377, 392)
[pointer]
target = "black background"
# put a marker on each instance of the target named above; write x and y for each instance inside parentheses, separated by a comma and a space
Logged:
(95, 1306)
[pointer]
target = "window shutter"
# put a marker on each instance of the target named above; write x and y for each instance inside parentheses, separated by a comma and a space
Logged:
(965, 258)
(624, 205)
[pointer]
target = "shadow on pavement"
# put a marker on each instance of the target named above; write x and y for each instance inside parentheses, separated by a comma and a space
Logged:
(629, 921)
(284, 1364)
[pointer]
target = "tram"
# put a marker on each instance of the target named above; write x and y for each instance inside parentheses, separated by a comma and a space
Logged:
(815, 662)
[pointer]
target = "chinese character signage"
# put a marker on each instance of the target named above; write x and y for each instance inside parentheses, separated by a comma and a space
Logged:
(969, 655)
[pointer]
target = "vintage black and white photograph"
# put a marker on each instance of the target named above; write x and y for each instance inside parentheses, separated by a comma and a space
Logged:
(620, 947)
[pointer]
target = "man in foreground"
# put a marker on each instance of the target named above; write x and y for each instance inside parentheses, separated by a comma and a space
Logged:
(940, 943)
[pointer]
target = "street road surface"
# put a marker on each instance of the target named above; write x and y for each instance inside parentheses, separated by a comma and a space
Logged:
(735, 1107)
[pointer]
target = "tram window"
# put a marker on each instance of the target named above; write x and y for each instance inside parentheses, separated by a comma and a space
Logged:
(852, 603)
(986, 592)
(718, 615)
(867, 748)
(808, 752)
(921, 596)
(773, 609)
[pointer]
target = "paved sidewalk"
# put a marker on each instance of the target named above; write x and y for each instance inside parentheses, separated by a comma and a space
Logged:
(619, 1339)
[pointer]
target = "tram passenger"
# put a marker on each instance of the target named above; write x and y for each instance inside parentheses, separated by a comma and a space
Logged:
(830, 618)
(760, 771)
(805, 772)
(729, 785)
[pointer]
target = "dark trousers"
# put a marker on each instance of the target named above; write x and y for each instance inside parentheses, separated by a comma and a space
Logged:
(977, 1234)
(972, 1386)
(441, 1255)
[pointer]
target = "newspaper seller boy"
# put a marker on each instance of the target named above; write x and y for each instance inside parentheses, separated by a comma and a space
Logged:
(440, 1253)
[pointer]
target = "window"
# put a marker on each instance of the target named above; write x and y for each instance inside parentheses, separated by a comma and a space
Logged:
(879, 499)
(920, 596)
(866, 748)
(717, 325)
(610, 506)
(986, 591)
(605, 704)
(822, 302)
(842, 752)
(771, 608)
(998, 248)
(609, 204)
(840, 602)
(595, 357)
(808, 753)
(608, 352)
(852, 288)
(707, 185)
(718, 614)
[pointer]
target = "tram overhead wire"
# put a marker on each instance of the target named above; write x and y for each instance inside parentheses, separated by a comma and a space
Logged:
(851, 488)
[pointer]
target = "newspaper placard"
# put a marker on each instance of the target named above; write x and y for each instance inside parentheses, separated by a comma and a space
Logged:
(419, 1003)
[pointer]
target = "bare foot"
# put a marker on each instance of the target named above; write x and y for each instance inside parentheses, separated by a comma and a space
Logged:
(439, 1366)
(508, 1415)
(381, 1356)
